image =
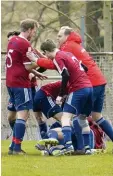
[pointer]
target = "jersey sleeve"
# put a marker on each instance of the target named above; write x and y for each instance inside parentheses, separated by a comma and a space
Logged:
(59, 64)
(46, 63)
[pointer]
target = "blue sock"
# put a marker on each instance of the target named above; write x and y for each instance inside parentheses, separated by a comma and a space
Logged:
(67, 135)
(19, 133)
(78, 134)
(92, 139)
(12, 144)
(106, 127)
(86, 139)
(43, 130)
(12, 123)
(53, 134)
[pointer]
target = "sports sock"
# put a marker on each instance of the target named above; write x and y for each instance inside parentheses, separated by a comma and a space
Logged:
(19, 133)
(78, 134)
(106, 127)
(52, 134)
(11, 146)
(67, 135)
(43, 130)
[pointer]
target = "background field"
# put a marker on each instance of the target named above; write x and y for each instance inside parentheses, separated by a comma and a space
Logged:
(35, 165)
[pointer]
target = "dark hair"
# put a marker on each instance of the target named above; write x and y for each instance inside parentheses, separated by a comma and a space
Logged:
(28, 24)
(13, 33)
(48, 45)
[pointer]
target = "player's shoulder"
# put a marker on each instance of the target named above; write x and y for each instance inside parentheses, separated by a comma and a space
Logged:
(60, 54)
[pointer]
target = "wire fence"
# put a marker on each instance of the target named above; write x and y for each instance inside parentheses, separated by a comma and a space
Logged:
(104, 61)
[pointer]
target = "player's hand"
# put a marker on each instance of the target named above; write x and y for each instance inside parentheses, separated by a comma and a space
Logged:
(41, 76)
(31, 56)
(59, 100)
(31, 76)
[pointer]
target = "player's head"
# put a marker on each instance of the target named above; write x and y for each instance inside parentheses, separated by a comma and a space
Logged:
(63, 34)
(12, 34)
(29, 27)
(48, 47)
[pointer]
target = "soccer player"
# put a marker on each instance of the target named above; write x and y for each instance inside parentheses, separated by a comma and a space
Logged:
(18, 83)
(70, 41)
(79, 99)
(96, 135)
(34, 86)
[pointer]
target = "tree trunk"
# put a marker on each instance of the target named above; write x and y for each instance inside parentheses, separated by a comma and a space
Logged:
(92, 24)
(64, 7)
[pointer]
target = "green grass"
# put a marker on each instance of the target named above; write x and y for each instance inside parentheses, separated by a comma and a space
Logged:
(35, 165)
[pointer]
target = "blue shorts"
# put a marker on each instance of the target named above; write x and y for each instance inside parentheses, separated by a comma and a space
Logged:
(79, 102)
(33, 91)
(98, 98)
(20, 98)
(11, 106)
(45, 104)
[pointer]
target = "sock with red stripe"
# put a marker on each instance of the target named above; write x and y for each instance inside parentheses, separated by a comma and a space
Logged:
(19, 133)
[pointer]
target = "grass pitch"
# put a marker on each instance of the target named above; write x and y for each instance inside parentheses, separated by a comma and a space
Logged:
(35, 165)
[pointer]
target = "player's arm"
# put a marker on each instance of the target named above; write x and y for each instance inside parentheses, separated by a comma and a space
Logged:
(65, 79)
(41, 62)
(30, 65)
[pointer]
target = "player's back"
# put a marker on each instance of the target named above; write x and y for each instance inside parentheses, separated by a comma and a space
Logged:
(77, 76)
(16, 74)
(52, 89)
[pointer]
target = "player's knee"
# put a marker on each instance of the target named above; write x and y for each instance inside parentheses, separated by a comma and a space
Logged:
(96, 116)
(83, 122)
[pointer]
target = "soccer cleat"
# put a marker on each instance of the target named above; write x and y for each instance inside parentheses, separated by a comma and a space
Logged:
(21, 152)
(40, 147)
(55, 150)
(64, 151)
(68, 150)
(45, 152)
(89, 152)
(10, 152)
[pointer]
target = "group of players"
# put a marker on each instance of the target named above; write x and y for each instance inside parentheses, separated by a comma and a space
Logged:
(70, 101)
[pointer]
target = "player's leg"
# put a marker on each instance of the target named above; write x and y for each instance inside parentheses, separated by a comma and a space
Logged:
(36, 95)
(80, 101)
(23, 103)
(11, 113)
(77, 134)
(98, 98)
(68, 111)
(85, 112)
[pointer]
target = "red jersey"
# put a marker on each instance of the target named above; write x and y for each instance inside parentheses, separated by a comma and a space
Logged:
(53, 89)
(78, 78)
(34, 82)
(16, 74)
(72, 45)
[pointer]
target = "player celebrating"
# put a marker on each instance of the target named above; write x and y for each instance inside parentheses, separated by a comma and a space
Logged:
(17, 79)
(79, 100)
(70, 41)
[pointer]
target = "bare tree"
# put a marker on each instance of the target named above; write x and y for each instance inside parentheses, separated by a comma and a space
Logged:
(63, 6)
(92, 26)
